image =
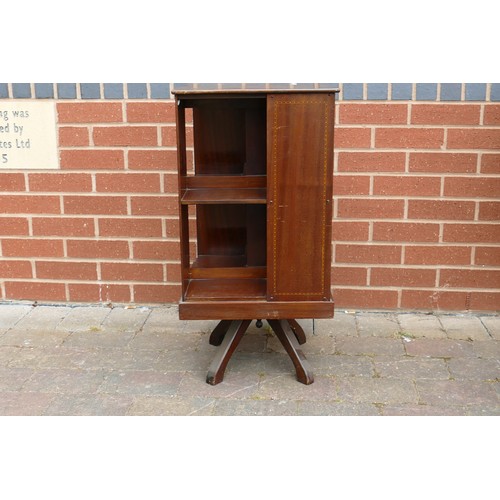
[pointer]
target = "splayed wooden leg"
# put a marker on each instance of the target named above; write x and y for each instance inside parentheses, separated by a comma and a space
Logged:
(298, 331)
(219, 331)
(228, 345)
(287, 337)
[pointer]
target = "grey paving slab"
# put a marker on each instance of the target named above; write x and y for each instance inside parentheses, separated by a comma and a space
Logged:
(342, 365)
(376, 390)
(171, 406)
(492, 325)
(183, 360)
(11, 314)
(13, 379)
(84, 319)
(457, 393)
(89, 405)
(414, 325)
(171, 341)
(286, 387)
(475, 368)
(141, 382)
(369, 346)
(125, 319)
(439, 348)
(254, 407)
(320, 408)
(99, 338)
(24, 403)
(378, 325)
(412, 368)
(424, 410)
(63, 381)
(464, 327)
(41, 337)
(43, 318)
(342, 325)
(489, 349)
(7, 353)
(268, 363)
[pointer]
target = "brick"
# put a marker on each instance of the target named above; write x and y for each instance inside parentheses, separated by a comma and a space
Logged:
(441, 210)
(406, 185)
(131, 272)
(369, 113)
(397, 277)
(74, 136)
(434, 299)
(405, 231)
(489, 210)
(157, 294)
(66, 270)
(484, 301)
(483, 138)
(15, 269)
(424, 138)
(63, 226)
(351, 185)
(93, 249)
(32, 248)
(487, 256)
(58, 182)
(151, 112)
(368, 254)
(349, 276)
(82, 292)
(471, 233)
(445, 114)
(346, 137)
(370, 208)
(91, 159)
(170, 182)
(154, 205)
(125, 136)
(365, 298)
(169, 136)
(372, 161)
(128, 183)
(29, 290)
(350, 231)
(13, 226)
(148, 159)
(147, 228)
(491, 114)
(12, 182)
(443, 162)
(95, 112)
(438, 255)
(116, 205)
(174, 273)
(470, 278)
(467, 187)
(29, 204)
(157, 250)
(490, 163)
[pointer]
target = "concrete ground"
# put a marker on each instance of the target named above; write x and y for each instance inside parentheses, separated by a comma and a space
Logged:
(82, 360)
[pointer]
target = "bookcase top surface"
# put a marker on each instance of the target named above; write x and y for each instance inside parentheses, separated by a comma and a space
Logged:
(196, 92)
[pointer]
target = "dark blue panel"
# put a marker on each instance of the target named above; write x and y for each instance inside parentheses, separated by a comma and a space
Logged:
(401, 91)
(495, 92)
(377, 91)
(475, 91)
(160, 90)
(44, 90)
(4, 90)
(113, 91)
(137, 90)
(451, 91)
(426, 91)
(90, 90)
(21, 90)
(66, 90)
(352, 91)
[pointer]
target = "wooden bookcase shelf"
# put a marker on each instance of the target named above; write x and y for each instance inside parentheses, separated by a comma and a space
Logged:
(261, 188)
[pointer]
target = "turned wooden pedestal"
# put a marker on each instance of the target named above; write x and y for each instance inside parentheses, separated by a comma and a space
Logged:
(228, 333)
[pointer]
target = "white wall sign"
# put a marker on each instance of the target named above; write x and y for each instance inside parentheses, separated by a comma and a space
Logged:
(28, 135)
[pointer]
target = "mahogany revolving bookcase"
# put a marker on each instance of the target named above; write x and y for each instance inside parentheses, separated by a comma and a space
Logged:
(255, 202)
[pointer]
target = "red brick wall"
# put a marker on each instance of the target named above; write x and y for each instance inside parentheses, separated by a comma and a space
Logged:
(415, 208)
(417, 205)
